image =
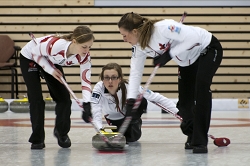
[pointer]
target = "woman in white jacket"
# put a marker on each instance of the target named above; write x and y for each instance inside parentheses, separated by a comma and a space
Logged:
(198, 54)
(109, 99)
(45, 57)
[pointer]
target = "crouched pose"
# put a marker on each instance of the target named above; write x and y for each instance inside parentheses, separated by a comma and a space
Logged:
(109, 98)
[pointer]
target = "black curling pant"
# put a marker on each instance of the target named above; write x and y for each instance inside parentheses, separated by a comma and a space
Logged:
(133, 132)
(195, 97)
(31, 73)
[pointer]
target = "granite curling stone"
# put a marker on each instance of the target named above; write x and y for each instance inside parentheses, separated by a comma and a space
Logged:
(4, 105)
(99, 144)
(50, 104)
(20, 105)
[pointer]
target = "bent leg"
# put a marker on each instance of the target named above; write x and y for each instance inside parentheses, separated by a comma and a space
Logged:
(61, 96)
(30, 72)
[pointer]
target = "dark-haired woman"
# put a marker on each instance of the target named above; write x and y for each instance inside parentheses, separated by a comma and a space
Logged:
(109, 98)
(198, 54)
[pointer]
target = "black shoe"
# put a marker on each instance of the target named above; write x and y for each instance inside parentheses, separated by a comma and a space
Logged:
(200, 149)
(37, 146)
(188, 143)
(63, 141)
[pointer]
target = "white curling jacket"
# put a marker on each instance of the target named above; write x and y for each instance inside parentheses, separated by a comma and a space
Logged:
(103, 103)
(187, 42)
(50, 50)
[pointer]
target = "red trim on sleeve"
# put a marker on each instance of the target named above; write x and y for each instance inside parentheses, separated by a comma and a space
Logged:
(178, 58)
(84, 76)
(50, 44)
(84, 60)
(86, 88)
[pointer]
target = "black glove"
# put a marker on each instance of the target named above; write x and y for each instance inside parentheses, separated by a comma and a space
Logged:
(162, 59)
(86, 113)
(129, 107)
(101, 130)
(187, 127)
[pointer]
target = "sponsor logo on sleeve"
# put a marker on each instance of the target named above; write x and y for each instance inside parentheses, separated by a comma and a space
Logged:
(174, 28)
(147, 91)
(95, 98)
(62, 61)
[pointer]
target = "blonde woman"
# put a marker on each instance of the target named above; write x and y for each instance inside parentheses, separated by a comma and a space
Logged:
(46, 57)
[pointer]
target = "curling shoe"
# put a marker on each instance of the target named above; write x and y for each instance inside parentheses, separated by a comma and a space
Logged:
(188, 143)
(63, 141)
(200, 149)
(38, 146)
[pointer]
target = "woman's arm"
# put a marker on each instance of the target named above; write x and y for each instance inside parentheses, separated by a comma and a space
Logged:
(48, 51)
(160, 99)
(136, 71)
(85, 74)
(96, 104)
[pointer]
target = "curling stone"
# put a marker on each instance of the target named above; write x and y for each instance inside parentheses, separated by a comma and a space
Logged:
(20, 105)
(50, 104)
(99, 144)
(4, 106)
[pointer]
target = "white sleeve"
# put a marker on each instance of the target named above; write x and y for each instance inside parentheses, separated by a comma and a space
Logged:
(171, 29)
(136, 71)
(183, 37)
(160, 99)
(96, 105)
(85, 73)
(42, 60)
(49, 47)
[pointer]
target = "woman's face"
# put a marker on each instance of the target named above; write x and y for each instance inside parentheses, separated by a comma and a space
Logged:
(83, 48)
(130, 37)
(111, 80)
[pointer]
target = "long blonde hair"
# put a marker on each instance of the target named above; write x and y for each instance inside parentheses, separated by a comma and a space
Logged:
(81, 34)
(144, 26)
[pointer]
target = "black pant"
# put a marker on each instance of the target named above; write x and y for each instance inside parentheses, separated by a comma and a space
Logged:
(195, 97)
(31, 73)
(133, 132)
